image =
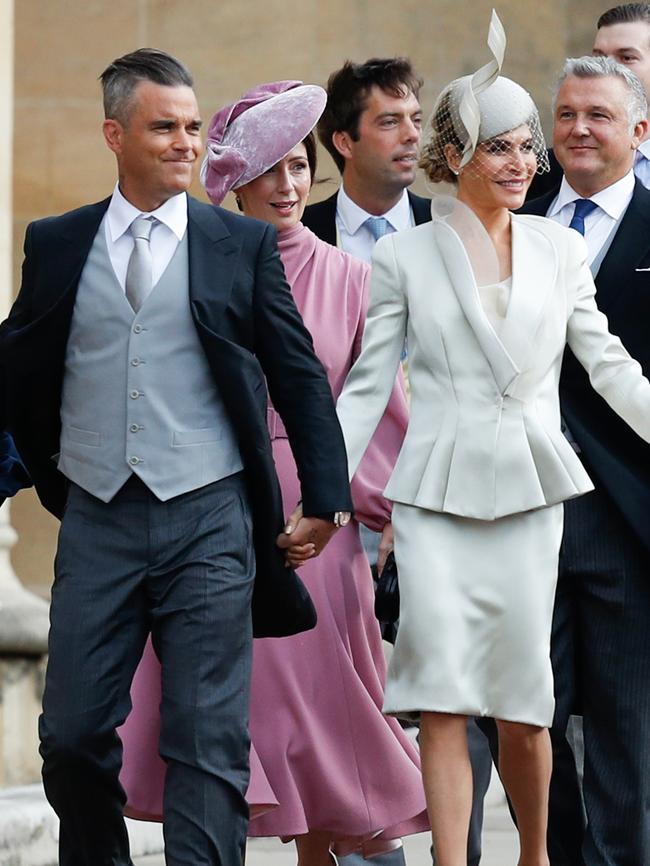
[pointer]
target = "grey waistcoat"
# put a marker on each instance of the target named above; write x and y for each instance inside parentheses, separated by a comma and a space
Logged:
(138, 395)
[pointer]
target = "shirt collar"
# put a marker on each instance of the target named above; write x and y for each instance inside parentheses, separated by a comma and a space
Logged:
(121, 213)
(353, 217)
(643, 150)
(613, 199)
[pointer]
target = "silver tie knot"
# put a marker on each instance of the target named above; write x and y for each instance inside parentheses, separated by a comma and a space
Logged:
(141, 227)
(139, 273)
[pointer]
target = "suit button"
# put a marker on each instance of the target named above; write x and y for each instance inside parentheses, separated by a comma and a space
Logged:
(136, 362)
(137, 329)
(134, 428)
(134, 461)
(134, 395)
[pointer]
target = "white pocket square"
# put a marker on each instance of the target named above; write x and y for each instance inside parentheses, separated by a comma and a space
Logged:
(642, 270)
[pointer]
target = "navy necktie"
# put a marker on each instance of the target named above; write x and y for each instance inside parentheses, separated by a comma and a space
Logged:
(583, 207)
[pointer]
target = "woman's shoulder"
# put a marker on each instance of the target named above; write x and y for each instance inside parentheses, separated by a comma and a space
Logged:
(546, 226)
(407, 242)
(566, 240)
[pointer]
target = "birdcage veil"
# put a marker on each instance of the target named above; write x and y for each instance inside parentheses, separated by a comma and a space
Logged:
(480, 115)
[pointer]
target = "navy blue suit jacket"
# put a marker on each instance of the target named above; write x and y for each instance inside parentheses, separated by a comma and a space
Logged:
(253, 338)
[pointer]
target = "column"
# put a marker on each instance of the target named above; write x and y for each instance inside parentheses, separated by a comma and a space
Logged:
(23, 616)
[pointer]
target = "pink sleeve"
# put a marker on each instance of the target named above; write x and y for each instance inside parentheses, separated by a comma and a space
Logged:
(370, 506)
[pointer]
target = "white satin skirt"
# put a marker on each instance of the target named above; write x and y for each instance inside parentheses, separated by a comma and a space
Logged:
(476, 607)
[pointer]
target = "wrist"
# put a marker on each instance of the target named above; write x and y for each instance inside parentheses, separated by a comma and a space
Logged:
(338, 518)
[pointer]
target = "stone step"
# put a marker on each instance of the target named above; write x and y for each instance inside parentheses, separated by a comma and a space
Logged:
(29, 830)
(29, 836)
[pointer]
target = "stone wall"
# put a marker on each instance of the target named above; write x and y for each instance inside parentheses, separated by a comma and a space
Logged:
(62, 45)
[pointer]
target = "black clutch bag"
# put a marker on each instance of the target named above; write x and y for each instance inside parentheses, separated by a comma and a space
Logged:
(387, 592)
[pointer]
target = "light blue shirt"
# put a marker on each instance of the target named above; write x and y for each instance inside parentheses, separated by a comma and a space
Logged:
(354, 236)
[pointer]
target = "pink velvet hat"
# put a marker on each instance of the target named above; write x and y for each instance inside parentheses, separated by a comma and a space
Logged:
(249, 136)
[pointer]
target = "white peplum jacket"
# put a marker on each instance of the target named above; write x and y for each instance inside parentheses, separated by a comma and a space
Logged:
(484, 438)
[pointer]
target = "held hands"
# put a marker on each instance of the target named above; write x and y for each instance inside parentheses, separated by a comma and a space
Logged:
(304, 537)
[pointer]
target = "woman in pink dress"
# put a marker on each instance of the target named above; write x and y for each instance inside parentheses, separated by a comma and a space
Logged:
(344, 776)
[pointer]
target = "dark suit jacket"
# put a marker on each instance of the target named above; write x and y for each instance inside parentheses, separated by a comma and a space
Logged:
(321, 217)
(252, 336)
(616, 458)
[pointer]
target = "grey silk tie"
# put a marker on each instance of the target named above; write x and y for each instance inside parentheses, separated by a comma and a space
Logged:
(139, 273)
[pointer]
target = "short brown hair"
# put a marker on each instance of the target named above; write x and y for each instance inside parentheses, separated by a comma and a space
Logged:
(627, 13)
(347, 93)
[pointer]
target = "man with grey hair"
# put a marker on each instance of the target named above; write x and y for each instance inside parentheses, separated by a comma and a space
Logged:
(622, 33)
(135, 365)
(601, 635)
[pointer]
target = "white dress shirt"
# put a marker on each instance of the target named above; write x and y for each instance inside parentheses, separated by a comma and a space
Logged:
(354, 236)
(612, 202)
(166, 233)
(642, 163)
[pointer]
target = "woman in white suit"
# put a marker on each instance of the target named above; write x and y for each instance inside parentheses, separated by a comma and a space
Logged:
(486, 301)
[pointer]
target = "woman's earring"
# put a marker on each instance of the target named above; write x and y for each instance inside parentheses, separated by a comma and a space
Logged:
(455, 171)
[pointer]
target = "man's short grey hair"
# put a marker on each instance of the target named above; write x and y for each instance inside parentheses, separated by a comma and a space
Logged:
(605, 67)
(121, 77)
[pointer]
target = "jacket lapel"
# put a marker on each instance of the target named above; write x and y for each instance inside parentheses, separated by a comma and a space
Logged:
(421, 208)
(213, 258)
(460, 272)
(534, 273)
(72, 247)
(629, 249)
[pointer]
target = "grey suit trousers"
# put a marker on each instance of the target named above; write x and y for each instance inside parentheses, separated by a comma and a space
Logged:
(601, 649)
(182, 569)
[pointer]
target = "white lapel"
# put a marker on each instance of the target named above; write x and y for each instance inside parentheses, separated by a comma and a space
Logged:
(534, 272)
(459, 269)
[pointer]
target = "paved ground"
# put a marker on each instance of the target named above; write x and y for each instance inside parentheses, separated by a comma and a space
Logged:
(499, 847)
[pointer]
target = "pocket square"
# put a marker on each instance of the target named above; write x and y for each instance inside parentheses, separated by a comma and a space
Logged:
(642, 270)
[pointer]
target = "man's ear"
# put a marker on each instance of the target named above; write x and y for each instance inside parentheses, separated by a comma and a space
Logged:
(113, 130)
(640, 132)
(343, 143)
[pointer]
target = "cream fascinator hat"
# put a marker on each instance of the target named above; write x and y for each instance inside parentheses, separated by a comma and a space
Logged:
(476, 108)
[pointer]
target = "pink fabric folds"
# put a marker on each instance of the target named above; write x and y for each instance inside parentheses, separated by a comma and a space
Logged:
(322, 749)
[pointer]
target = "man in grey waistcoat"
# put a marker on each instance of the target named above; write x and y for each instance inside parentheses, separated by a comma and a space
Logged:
(135, 364)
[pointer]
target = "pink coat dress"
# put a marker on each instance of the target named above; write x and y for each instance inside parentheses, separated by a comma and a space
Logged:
(323, 757)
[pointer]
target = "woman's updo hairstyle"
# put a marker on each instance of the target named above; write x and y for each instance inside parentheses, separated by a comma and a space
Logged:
(441, 133)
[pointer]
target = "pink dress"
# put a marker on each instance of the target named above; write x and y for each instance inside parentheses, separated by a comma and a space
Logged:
(322, 750)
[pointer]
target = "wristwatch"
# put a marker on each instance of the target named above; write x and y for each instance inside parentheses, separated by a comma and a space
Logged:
(338, 518)
(341, 518)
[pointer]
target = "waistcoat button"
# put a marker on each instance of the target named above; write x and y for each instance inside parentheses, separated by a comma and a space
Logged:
(134, 395)
(134, 428)
(134, 461)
